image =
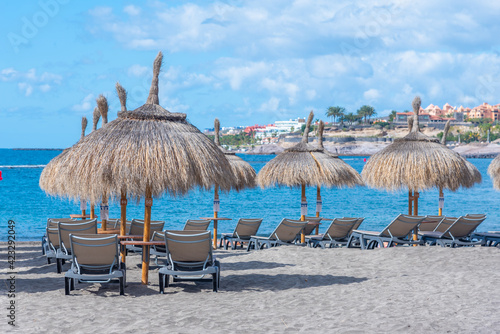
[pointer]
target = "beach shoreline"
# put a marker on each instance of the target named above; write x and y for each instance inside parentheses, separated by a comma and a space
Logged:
(286, 289)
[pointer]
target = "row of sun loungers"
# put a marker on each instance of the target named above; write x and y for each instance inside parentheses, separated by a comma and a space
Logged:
(188, 254)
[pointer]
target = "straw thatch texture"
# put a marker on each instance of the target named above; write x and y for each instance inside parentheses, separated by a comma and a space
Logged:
(145, 147)
(95, 118)
(417, 162)
(244, 173)
(337, 172)
(122, 96)
(308, 165)
(494, 172)
(84, 126)
(102, 104)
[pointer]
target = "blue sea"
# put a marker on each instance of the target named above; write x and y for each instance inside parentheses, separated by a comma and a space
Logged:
(22, 200)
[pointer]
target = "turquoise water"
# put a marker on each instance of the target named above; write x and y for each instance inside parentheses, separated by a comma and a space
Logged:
(23, 201)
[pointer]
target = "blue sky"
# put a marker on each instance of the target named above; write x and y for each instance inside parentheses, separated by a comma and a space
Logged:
(245, 62)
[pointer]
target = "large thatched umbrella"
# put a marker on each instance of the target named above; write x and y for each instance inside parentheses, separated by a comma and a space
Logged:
(417, 163)
(244, 173)
(339, 173)
(494, 172)
(145, 153)
(306, 165)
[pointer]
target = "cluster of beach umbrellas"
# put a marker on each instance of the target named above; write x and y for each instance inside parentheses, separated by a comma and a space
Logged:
(150, 151)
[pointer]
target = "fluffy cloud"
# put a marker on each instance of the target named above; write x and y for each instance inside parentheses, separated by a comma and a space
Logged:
(85, 104)
(30, 80)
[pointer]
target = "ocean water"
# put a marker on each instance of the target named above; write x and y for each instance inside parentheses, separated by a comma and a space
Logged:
(22, 200)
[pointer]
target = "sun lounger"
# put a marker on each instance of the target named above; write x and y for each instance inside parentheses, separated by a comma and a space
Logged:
(196, 225)
(52, 223)
(284, 234)
(357, 224)
(245, 228)
(309, 228)
(489, 239)
(397, 232)
(189, 258)
(336, 234)
(457, 234)
(430, 223)
(63, 253)
(95, 260)
(137, 228)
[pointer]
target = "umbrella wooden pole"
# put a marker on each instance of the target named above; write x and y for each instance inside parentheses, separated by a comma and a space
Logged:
(318, 199)
(441, 197)
(145, 249)
(415, 213)
(410, 202)
(104, 222)
(83, 214)
(92, 211)
(303, 217)
(216, 215)
(123, 220)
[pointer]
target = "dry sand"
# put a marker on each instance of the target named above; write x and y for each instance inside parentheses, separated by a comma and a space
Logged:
(287, 289)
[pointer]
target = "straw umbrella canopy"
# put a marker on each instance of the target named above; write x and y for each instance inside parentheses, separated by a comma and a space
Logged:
(494, 172)
(339, 171)
(145, 153)
(417, 163)
(244, 173)
(307, 165)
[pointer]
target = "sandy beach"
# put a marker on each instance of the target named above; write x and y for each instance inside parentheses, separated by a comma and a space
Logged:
(286, 289)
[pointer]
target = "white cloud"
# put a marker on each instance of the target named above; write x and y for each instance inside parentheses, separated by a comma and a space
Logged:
(29, 80)
(371, 94)
(86, 103)
(137, 70)
(45, 88)
(271, 105)
(132, 10)
(26, 88)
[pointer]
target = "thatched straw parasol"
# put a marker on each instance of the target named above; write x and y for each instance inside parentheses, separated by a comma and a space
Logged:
(494, 172)
(338, 171)
(145, 153)
(244, 173)
(306, 165)
(417, 162)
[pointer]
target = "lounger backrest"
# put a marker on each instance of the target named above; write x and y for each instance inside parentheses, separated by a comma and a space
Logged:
(65, 229)
(53, 236)
(430, 223)
(401, 226)
(359, 221)
(341, 227)
(189, 246)
(127, 225)
(196, 225)
(445, 224)
(287, 230)
(463, 227)
(309, 228)
(113, 223)
(137, 227)
(247, 227)
(52, 222)
(158, 236)
(475, 215)
(94, 250)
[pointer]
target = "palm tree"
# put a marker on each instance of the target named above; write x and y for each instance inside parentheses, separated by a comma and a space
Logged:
(392, 116)
(366, 111)
(335, 112)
